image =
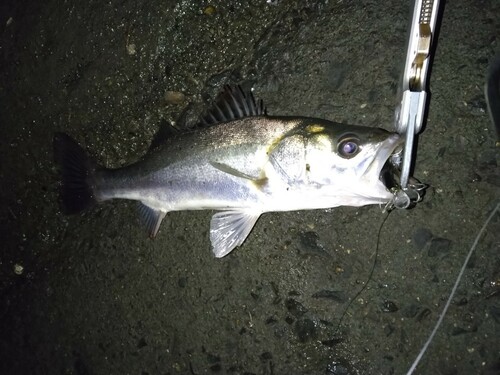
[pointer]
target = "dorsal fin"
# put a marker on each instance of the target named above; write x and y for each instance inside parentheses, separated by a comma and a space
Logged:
(165, 131)
(231, 104)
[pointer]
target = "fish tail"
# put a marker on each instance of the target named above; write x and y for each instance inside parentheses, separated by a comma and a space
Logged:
(77, 170)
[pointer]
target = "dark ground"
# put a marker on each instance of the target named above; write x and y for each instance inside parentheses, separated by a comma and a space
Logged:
(96, 296)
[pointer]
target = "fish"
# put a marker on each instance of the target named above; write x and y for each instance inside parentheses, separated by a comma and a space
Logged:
(240, 162)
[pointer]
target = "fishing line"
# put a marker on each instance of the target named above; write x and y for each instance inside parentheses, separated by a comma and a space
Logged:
(441, 317)
(370, 275)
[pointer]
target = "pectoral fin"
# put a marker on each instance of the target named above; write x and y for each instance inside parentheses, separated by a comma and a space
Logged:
(258, 181)
(229, 229)
(233, 172)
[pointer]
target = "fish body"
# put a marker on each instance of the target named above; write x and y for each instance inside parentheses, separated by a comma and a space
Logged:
(242, 163)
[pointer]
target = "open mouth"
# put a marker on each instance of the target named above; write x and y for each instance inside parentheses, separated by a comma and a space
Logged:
(384, 174)
(390, 174)
(387, 163)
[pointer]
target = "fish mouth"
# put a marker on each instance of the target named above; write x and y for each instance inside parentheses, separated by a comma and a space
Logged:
(387, 164)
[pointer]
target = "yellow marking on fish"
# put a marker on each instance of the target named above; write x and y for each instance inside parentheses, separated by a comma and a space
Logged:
(274, 143)
(260, 183)
(314, 128)
(321, 141)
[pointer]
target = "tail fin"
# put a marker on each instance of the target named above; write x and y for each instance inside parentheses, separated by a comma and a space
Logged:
(77, 170)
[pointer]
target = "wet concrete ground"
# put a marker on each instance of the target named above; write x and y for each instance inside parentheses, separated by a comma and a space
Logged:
(92, 294)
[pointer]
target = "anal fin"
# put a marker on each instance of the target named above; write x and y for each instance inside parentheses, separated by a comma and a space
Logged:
(229, 229)
(152, 218)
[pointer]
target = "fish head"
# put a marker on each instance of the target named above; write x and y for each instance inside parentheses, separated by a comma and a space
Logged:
(347, 162)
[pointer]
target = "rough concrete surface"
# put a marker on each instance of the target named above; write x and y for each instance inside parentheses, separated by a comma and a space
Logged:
(91, 294)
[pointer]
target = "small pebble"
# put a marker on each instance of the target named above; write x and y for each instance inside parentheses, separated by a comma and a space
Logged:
(131, 49)
(389, 306)
(174, 97)
(18, 269)
(209, 10)
(336, 368)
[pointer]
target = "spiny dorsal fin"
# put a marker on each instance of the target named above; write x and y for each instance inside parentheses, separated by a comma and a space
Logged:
(231, 104)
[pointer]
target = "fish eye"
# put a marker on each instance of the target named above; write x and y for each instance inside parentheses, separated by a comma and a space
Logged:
(348, 147)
